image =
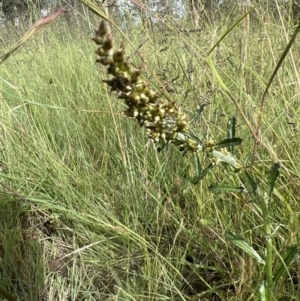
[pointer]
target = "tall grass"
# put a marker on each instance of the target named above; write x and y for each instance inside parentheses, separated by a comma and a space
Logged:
(91, 211)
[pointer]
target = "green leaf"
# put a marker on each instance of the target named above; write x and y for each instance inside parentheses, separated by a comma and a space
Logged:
(224, 188)
(209, 55)
(231, 125)
(242, 244)
(273, 175)
(281, 59)
(197, 165)
(175, 78)
(230, 29)
(249, 183)
(286, 261)
(229, 142)
(201, 175)
(197, 138)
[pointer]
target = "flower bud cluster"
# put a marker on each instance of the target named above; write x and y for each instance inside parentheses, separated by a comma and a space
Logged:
(162, 118)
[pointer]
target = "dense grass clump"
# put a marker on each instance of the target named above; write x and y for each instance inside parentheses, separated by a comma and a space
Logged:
(91, 211)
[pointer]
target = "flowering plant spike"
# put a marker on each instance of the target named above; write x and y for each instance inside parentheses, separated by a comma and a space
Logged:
(163, 120)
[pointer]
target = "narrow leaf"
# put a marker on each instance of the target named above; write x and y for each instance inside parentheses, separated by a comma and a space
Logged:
(224, 188)
(197, 165)
(282, 58)
(203, 173)
(273, 175)
(229, 30)
(231, 125)
(175, 78)
(242, 244)
(216, 73)
(287, 259)
(40, 24)
(198, 112)
(249, 183)
(228, 142)
(209, 56)
(96, 9)
(280, 62)
(195, 137)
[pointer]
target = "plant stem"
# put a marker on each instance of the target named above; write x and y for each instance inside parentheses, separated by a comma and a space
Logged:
(269, 248)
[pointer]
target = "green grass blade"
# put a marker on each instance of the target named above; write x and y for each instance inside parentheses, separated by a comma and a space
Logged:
(216, 73)
(229, 30)
(248, 181)
(7, 295)
(273, 175)
(242, 244)
(197, 165)
(203, 173)
(197, 113)
(287, 259)
(282, 58)
(209, 59)
(224, 188)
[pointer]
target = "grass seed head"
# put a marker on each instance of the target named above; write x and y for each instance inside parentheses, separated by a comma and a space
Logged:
(144, 103)
(102, 29)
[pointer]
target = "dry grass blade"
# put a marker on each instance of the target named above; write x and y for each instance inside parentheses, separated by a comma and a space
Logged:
(40, 24)
(96, 10)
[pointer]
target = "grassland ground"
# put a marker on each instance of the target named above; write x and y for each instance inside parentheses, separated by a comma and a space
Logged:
(91, 211)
